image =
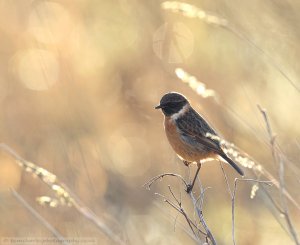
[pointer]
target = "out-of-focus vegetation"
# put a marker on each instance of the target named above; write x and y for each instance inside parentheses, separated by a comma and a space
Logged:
(79, 81)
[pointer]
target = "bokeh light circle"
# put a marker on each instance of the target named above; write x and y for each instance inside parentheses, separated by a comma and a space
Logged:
(37, 69)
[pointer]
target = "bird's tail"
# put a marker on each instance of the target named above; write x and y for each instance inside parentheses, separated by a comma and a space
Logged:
(233, 164)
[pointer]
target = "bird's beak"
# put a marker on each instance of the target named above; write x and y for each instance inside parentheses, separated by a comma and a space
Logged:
(158, 107)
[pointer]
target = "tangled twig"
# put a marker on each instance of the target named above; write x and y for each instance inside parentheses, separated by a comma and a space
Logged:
(177, 205)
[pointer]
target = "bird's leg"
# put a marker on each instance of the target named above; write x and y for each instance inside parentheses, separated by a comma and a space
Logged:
(190, 186)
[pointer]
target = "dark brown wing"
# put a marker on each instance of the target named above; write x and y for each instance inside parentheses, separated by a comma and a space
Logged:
(193, 129)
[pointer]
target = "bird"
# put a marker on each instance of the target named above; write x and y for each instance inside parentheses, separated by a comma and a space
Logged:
(189, 134)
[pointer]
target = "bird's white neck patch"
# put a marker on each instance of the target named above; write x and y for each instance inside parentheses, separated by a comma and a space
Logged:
(182, 111)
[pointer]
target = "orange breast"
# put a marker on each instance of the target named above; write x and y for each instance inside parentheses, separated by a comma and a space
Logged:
(183, 150)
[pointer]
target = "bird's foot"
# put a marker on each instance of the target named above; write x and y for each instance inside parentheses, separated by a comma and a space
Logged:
(189, 188)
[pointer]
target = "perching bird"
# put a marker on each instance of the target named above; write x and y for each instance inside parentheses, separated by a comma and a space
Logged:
(187, 132)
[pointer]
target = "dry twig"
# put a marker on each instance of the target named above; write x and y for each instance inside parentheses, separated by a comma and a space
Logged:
(62, 192)
(154, 179)
(38, 216)
(200, 214)
(279, 162)
(178, 206)
(233, 196)
(233, 200)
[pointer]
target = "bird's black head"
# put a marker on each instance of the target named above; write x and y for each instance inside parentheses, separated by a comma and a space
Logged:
(172, 103)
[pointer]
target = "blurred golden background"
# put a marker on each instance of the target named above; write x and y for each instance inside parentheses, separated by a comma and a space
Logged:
(79, 82)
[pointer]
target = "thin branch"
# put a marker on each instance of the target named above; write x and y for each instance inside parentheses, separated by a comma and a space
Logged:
(178, 205)
(199, 210)
(90, 215)
(182, 211)
(233, 200)
(173, 195)
(271, 136)
(226, 179)
(175, 222)
(63, 192)
(179, 208)
(149, 183)
(277, 209)
(249, 162)
(234, 194)
(178, 222)
(276, 184)
(200, 214)
(284, 204)
(275, 204)
(35, 214)
(278, 161)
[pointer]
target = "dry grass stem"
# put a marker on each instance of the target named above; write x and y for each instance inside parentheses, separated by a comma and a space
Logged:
(192, 11)
(34, 213)
(279, 162)
(234, 196)
(149, 183)
(226, 179)
(63, 195)
(178, 223)
(177, 205)
(241, 157)
(200, 214)
(195, 84)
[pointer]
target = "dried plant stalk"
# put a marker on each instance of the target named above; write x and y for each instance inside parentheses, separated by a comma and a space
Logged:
(63, 195)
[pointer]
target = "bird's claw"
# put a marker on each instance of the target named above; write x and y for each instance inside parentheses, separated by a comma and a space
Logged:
(189, 188)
